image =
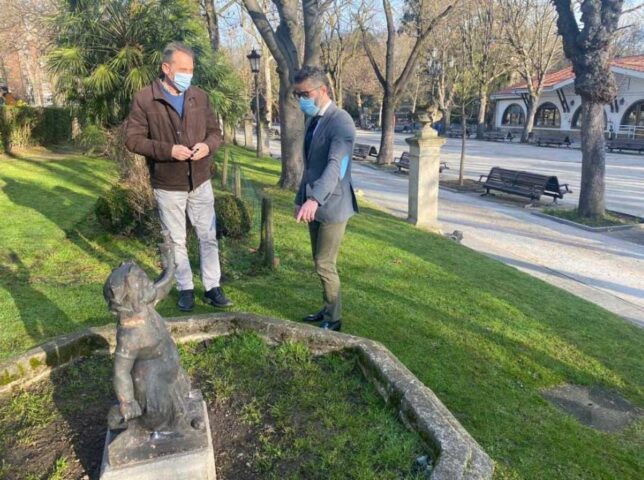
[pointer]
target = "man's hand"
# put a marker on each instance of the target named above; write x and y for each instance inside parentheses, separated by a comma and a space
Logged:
(307, 212)
(199, 151)
(181, 153)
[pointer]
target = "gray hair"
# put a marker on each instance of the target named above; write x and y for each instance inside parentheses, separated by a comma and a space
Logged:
(173, 47)
(309, 72)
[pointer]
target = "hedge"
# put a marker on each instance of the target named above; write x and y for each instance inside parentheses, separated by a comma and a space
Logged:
(22, 126)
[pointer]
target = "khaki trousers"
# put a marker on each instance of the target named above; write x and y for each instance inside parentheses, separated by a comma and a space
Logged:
(325, 245)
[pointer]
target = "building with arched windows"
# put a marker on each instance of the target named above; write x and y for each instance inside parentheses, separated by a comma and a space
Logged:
(559, 108)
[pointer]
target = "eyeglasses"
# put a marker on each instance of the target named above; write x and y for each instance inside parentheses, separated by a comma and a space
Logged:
(304, 94)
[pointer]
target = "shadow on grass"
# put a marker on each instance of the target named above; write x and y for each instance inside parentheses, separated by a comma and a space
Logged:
(72, 212)
(41, 317)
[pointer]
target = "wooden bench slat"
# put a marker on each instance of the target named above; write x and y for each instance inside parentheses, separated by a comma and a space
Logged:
(361, 150)
(625, 144)
(527, 184)
(553, 140)
(402, 163)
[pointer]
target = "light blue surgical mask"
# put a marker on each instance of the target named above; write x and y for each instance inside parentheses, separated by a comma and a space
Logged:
(308, 106)
(182, 81)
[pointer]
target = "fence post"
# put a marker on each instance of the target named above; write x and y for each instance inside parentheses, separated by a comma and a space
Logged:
(224, 170)
(237, 186)
(266, 245)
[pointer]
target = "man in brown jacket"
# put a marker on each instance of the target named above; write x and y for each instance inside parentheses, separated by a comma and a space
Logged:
(173, 125)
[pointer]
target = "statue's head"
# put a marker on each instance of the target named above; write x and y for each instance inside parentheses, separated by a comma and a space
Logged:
(128, 289)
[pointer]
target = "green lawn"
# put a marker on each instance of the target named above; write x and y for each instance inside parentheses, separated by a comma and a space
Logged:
(485, 337)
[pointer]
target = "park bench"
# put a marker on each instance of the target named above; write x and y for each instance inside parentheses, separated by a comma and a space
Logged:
(622, 144)
(402, 163)
(525, 184)
(545, 140)
(497, 136)
(362, 151)
(457, 132)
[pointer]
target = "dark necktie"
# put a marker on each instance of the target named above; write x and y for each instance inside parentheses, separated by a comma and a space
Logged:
(309, 134)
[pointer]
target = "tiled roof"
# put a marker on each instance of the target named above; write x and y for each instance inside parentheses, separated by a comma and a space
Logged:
(630, 63)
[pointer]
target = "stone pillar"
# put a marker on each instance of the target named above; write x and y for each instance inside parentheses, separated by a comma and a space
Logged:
(248, 131)
(424, 162)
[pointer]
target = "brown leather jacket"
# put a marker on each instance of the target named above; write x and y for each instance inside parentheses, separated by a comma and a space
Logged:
(153, 127)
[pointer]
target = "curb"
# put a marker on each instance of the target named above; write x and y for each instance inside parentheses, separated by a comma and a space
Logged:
(457, 455)
(611, 228)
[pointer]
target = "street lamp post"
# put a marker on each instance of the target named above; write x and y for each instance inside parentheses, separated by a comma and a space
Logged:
(254, 59)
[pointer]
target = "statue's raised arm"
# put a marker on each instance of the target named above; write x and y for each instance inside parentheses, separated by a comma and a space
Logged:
(163, 284)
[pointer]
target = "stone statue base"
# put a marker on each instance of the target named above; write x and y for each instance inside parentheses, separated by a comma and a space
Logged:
(135, 454)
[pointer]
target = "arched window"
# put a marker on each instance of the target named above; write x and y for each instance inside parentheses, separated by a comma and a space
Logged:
(634, 115)
(513, 116)
(576, 120)
(547, 116)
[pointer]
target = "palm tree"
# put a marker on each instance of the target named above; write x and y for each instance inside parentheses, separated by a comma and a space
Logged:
(106, 50)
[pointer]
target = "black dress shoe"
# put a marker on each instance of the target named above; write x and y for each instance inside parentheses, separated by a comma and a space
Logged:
(315, 317)
(186, 300)
(217, 298)
(335, 326)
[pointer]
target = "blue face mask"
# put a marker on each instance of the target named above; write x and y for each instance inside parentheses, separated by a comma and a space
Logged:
(182, 81)
(308, 106)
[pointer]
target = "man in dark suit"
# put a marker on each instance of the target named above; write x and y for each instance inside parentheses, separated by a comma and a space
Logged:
(325, 199)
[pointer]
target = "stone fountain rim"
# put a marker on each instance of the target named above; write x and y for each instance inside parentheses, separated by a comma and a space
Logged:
(459, 456)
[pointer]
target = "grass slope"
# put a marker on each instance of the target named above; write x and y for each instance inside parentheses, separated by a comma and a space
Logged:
(484, 336)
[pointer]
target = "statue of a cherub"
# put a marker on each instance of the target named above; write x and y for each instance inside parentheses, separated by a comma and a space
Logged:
(151, 387)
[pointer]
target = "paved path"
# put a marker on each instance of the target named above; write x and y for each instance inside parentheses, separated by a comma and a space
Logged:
(624, 172)
(597, 267)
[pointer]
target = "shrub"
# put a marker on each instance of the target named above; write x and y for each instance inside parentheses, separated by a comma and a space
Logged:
(54, 125)
(92, 140)
(22, 126)
(120, 211)
(233, 217)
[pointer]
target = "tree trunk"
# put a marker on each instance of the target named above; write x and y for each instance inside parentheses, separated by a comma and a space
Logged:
(229, 133)
(461, 168)
(414, 101)
(291, 138)
(529, 120)
(361, 120)
(266, 246)
(212, 23)
(446, 120)
(333, 85)
(593, 160)
(480, 122)
(339, 94)
(387, 138)
(266, 138)
(268, 83)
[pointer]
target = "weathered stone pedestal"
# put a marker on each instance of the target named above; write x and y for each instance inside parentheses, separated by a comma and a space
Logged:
(424, 163)
(135, 454)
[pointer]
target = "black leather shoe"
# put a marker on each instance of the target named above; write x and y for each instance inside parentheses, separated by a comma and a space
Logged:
(186, 300)
(335, 326)
(217, 298)
(315, 317)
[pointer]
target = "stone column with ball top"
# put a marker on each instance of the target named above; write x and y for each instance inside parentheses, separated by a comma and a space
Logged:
(424, 164)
